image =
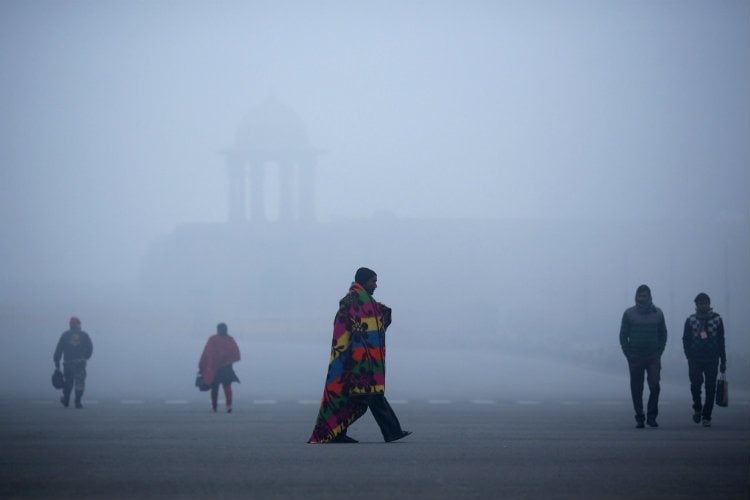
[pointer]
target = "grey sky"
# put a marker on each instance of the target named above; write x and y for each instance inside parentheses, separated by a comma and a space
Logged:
(114, 112)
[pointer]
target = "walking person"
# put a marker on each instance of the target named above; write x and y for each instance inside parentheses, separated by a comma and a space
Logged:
(643, 337)
(703, 343)
(215, 365)
(356, 370)
(75, 349)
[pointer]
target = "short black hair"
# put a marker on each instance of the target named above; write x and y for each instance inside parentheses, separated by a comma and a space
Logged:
(703, 297)
(363, 275)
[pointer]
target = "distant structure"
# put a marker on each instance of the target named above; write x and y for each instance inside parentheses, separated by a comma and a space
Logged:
(271, 135)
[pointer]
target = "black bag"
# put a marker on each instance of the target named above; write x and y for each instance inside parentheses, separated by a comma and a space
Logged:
(200, 384)
(722, 390)
(58, 380)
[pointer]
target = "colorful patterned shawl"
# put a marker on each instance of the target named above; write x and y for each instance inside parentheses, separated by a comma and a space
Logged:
(357, 363)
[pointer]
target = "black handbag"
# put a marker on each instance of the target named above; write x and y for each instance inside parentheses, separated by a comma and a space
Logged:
(58, 379)
(722, 390)
(200, 384)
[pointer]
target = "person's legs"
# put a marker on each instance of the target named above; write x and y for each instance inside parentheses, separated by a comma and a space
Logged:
(636, 367)
(214, 396)
(653, 369)
(79, 380)
(228, 396)
(710, 370)
(68, 375)
(335, 417)
(696, 381)
(385, 417)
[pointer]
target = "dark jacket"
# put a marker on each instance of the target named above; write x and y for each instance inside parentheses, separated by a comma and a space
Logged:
(704, 349)
(74, 345)
(643, 331)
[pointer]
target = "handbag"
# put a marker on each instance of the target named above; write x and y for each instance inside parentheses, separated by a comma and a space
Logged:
(200, 384)
(722, 390)
(58, 379)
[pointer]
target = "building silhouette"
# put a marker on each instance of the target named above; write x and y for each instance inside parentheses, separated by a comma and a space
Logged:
(271, 139)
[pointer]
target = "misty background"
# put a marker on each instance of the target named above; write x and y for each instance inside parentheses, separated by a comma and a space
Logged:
(512, 171)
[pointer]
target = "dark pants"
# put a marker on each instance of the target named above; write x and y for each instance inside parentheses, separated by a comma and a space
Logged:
(74, 373)
(700, 371)
(651, 366)
(215, 394)
(383, 414)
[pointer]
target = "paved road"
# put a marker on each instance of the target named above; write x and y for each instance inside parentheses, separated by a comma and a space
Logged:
(460, 449)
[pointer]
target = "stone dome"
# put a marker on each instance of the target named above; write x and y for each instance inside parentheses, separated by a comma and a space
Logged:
(272, 126)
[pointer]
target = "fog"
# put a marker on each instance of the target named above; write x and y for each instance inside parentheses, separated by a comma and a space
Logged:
(512, 171)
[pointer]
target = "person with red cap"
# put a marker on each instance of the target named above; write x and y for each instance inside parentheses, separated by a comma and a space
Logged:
(75, 348)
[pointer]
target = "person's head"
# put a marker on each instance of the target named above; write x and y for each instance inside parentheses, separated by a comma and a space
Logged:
(74, 323)
(367, 278)
(222, 329)
(702, 302)
(643, 295)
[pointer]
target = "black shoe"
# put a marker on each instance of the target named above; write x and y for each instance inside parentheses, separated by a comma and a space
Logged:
(652, 422)
(343, 438)
(400, 436)
(65, 402)
(639, 424)
(706, 422)
(697, 418)
(79, 405)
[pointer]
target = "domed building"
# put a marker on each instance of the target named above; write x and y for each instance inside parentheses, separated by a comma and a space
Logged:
(271, 136)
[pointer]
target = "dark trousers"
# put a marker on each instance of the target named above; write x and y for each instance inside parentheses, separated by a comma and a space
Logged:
(700, 371)
(651, 367)
(215, 395)
(74, 373)
(383, 414)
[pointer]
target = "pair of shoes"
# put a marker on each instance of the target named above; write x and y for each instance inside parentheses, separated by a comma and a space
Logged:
(706, 422)
(400, 436)
(639, 424)
(343, 438)
(651, 422)
(697, 417)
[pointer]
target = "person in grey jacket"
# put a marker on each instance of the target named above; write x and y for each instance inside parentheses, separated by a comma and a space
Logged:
(75, 348)
(703, 343)
(643, 337)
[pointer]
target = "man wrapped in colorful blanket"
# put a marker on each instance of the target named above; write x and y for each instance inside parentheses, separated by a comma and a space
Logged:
(356, 371)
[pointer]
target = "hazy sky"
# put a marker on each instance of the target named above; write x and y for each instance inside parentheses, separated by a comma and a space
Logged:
(114, 113)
